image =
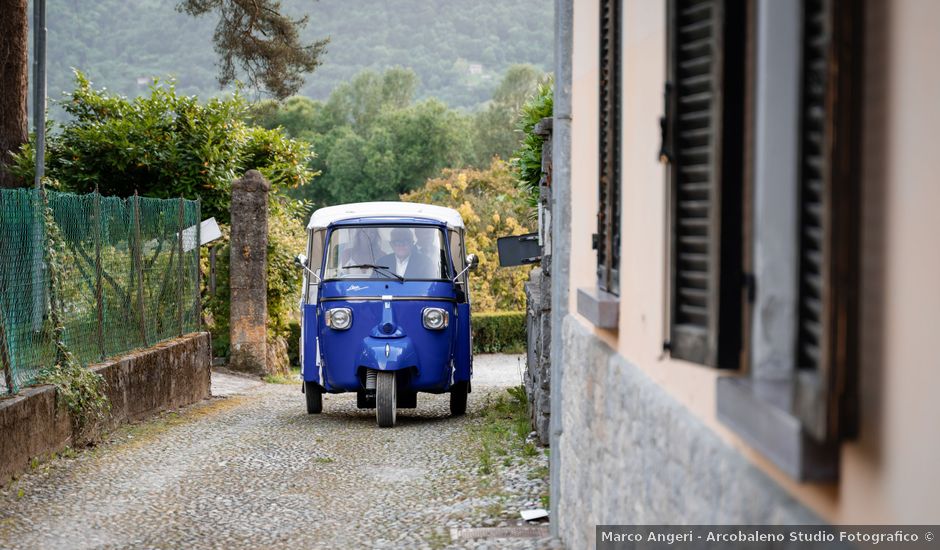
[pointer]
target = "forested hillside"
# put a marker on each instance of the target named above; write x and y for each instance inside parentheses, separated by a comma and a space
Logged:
(459, 50)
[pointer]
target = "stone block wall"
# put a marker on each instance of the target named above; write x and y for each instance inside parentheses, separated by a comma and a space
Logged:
(630, 454)
(168, 375)
(539, 302)
(538, 347)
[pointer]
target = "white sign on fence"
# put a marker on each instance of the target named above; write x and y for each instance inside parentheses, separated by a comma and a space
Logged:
(208, 232)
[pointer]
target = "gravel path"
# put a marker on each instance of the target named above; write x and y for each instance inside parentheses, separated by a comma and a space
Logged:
(252, 470)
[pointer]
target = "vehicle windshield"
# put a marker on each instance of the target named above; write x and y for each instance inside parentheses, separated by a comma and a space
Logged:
(386, 252)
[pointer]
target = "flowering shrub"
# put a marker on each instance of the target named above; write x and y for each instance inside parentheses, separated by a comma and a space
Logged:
(492, 205)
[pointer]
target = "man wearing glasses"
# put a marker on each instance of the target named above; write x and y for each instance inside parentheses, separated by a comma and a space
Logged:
(405, 260)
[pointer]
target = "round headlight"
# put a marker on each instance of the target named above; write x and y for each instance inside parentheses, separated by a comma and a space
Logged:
(339, 318)
(434, 318)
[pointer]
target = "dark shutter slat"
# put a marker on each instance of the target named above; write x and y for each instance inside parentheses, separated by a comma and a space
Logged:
(813, 187)
(695, 9)
(695, 148)
(608, 216)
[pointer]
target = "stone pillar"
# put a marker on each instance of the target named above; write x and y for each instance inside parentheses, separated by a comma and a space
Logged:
(248, 274)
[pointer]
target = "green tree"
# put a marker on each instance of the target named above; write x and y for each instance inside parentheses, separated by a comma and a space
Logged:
(256, 37)
(164, 145)
(374, 142)
(298, 116)
(492, 205)
(168, 145)
(494, 129)
(117, 42)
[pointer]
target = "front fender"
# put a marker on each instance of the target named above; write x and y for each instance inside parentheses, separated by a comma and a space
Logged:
(388, 354)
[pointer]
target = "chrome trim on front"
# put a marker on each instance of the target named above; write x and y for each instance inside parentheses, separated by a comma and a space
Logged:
(384, 298)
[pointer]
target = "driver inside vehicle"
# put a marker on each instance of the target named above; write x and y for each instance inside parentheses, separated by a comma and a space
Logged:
(405, 259)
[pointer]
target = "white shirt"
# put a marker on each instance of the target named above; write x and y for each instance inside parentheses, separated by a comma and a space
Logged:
(401, 264)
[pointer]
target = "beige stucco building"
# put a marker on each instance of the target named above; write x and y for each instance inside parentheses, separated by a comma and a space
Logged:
(750, 336)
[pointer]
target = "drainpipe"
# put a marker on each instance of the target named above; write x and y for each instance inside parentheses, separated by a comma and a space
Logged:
(561, 238)
(39, 123)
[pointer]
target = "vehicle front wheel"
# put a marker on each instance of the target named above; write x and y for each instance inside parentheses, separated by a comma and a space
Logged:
(385, 399)
(458, 398)
(314, 398)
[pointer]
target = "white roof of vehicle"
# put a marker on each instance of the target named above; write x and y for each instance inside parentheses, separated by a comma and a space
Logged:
(325, 216)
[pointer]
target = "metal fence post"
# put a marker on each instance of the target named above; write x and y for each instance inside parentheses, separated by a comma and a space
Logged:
(139, 270)
(55, 300)
(213, 250)
(5, 359)
(99, 300)
(180, 273)
(198, 251)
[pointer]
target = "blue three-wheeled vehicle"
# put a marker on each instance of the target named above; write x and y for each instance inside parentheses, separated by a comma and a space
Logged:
(386, 306)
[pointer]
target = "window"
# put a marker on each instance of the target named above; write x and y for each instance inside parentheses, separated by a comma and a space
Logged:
(374, 252)
(314, 259)
(600, 304)
(704, 133)
(797, 402)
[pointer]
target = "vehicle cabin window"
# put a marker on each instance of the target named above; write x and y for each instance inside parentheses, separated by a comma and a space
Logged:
(382, 252)
(315, 257)
(459, 257)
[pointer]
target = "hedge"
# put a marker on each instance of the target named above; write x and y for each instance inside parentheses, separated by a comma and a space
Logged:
(499, 332)
(293, 343)
(493, 332)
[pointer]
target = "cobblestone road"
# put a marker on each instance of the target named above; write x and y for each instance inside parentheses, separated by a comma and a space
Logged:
(252, 470)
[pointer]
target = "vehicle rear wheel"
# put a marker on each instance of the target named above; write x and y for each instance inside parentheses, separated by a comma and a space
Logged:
(314, 398)
(385, 399)
(458, 398)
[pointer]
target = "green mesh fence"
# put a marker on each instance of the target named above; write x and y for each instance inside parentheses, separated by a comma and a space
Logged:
(117, 274)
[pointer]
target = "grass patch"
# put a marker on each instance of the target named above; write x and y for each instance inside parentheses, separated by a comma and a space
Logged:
(539, 473)
(291, 377)
(504, 429)
(438, 539)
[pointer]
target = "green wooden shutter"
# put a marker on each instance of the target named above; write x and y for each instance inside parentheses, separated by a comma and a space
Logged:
(607, 240)
(828, 226)
(706, 42)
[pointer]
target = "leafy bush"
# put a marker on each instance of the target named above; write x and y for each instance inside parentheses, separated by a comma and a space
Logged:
(164, 145)
(167, 145)
(499, 332)
(527, 161)
(492, 206)
(293, 343)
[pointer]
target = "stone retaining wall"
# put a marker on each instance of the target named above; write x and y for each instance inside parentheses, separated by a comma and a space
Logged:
(166, 376)
(539, 302)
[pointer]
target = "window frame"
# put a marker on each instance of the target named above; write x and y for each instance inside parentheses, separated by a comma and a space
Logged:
(798, 417)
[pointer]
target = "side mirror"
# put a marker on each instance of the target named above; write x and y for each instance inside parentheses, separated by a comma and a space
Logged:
(301, 261)
(471, 261)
